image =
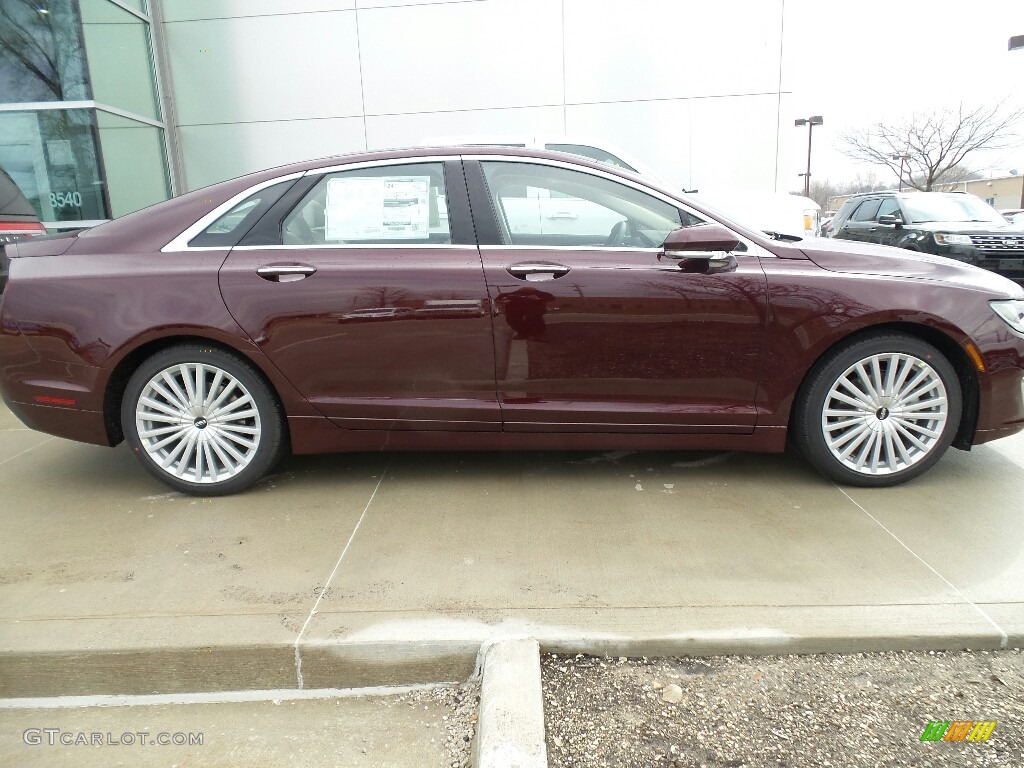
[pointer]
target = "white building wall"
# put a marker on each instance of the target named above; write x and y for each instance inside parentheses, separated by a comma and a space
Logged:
(693, 90)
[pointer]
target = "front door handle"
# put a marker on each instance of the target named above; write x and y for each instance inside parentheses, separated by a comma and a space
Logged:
(534, 271)
(285, 273)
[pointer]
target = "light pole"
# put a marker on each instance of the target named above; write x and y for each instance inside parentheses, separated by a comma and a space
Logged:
(810, 122)
(902, 158)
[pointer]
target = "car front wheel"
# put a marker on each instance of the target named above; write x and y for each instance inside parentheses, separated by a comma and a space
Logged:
(202, 420)
(878, 411)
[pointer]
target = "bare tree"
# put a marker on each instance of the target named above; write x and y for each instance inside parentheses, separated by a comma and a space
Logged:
(822, 192)
(927, 148)
(41, 56)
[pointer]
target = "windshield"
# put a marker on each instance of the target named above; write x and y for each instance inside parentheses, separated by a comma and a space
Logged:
(928, 207)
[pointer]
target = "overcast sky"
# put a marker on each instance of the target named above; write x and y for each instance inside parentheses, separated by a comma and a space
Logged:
(857, 61)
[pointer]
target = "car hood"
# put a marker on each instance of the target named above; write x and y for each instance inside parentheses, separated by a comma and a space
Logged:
(864, 259)
(964, 227)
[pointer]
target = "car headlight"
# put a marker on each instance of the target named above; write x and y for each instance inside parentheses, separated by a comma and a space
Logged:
(944, 239)
(1012, 312)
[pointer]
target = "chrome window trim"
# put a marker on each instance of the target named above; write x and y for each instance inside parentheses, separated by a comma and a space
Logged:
(752, 247)
(349, 247)
(180, 243)
(570, 248)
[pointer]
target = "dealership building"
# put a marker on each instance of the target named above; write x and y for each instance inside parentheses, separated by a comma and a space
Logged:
(107, 106)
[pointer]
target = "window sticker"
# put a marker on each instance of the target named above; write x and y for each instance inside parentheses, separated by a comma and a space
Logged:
(378, 208)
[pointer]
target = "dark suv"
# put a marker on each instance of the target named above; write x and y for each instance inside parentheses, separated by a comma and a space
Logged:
(953, 224)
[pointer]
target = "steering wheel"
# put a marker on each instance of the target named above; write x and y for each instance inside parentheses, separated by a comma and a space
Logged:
(626, 233)
(618, 234)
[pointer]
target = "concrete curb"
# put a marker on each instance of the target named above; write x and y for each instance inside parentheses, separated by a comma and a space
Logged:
(510, 728)
(67, 658)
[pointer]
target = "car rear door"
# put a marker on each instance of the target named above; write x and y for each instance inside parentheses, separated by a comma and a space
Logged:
(861, 222)
(364, 286)
(596, 330)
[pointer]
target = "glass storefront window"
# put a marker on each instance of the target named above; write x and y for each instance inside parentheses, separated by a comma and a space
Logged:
(138, 5)
(51, 155)
(80, 164)
(120, 58)
(41, 53)
(133, 157)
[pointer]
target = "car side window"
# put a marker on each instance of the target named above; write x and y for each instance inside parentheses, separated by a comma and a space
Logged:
(232, 226)
(866, 211)
(551, 206)
(386, 205)
(889, 207)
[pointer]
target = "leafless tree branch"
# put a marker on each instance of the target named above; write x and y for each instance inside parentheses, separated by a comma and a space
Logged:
(935, 143)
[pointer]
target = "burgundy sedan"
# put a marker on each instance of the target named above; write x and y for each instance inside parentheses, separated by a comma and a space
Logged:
(495, 299)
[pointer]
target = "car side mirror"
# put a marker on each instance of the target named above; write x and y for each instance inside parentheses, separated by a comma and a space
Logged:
(691, 242)
(703, 249)
(890, 219)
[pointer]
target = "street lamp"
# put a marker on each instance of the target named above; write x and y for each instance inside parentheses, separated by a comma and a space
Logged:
(810, 122)
(902, 158)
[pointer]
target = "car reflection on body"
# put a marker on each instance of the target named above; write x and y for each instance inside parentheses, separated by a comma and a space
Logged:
(289, 310)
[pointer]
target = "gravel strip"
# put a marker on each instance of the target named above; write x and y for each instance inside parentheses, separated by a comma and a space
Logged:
(867, 709)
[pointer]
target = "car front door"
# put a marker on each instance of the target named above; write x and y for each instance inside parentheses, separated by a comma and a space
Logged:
(886, 233)
(364, 286)
(595, 328)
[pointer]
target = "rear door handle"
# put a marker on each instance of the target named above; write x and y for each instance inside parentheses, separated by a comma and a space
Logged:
(285, 273)
(534, 271)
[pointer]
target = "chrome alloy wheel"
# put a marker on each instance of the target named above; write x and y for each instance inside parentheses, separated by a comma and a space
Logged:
(885, 413)
(198, 423)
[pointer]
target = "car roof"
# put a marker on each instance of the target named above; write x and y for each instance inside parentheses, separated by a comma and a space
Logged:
(911, 193)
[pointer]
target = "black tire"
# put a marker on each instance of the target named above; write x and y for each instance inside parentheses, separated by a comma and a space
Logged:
(809, 419)
(260, 439)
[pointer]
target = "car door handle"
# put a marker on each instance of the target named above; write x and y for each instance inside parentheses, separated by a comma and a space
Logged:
(285, 273)
(537, 271)
(566, 215)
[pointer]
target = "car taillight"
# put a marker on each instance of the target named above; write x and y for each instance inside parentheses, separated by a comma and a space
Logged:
(25, 228)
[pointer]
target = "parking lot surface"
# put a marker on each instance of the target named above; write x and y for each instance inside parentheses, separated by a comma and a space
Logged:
(410, 730)
(374, 569)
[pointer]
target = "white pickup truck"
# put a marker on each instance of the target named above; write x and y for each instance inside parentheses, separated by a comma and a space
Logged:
(540, 213)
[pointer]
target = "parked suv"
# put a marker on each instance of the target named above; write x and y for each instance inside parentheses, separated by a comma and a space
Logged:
(953, 224)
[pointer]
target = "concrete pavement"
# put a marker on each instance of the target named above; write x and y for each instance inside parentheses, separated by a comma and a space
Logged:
(355, 570)
(411, 730)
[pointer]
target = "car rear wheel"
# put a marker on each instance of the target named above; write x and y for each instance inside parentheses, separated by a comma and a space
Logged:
(202, 420)
(878, 411)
